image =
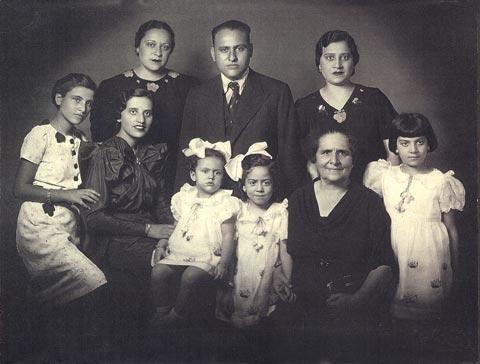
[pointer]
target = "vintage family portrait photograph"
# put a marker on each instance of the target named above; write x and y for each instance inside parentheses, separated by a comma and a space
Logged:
(239, 181)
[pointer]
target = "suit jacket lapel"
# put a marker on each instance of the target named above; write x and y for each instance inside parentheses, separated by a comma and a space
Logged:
(252, 98)
(214, 108)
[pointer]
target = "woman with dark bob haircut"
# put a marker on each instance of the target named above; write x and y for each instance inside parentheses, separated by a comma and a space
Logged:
(154, 44)
(361, 111)
(132, 212)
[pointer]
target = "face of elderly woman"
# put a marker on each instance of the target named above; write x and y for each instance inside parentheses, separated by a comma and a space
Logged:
(136, 119)
(333, 159)
(155, 49)
(336, 63)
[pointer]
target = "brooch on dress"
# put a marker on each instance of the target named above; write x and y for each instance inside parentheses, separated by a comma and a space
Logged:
(151, 86)
(406, 197)
(322, 109)
(340, 116)
(356, 101)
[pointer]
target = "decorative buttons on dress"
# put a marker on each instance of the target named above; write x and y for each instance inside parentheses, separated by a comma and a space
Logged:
(75, 178)
(413, 263)
(72, 141)
(74, 153)
(75, 165)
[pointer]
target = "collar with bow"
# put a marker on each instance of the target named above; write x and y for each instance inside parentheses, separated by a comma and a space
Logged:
(234, 166)
(197, 147)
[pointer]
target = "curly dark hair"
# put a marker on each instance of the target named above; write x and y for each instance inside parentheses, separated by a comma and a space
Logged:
(192, 161)
(69, 82)
(259, 160)
(153, 24)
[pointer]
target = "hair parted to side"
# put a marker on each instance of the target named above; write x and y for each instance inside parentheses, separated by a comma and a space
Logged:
(411, 125)
(153, 24)
(122, 99)
(192, 161)
(232, 25)
(311, 142)
(259, 160)
(70, 81)
(333, 36)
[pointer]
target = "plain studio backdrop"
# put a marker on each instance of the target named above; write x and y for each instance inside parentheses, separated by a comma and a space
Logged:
(420, 54)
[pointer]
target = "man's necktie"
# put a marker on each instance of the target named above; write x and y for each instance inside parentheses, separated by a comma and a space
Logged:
(232, 104)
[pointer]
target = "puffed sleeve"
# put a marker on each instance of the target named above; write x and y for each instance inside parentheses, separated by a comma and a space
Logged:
(373, 176)
(283, 216)
(34, 145)
(229, 208)
(176, 205)
(103, 170)
(452, 195)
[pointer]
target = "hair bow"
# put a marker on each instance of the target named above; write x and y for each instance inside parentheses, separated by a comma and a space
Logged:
(197, 147)
(234, 166)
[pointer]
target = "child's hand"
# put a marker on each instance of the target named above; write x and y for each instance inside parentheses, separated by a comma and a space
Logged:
(220, 271)
(160, 251)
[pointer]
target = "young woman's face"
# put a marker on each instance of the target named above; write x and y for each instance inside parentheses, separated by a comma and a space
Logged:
(154, 50)
(75, 105)
(136, 119)
(259, 186)
(208, 175)
(336, 63)
(333, 159)
(412, 151)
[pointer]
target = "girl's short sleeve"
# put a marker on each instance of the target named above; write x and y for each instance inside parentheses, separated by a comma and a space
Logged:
(176, 205)
(34, 145)
(452, 195)
(229, 207)
(373, 176)
(283, 223)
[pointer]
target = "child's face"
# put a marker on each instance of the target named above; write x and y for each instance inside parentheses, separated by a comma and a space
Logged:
(259, 186)
(75, 105)
(208, 175)
(412, 151)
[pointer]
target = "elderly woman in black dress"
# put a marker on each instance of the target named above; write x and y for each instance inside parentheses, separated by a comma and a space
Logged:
(339, 241)
(132, 212)
(361, 111)
(154, 44)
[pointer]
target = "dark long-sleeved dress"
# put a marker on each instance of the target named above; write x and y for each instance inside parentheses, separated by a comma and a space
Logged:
(169, 95)
(366, 116)
(353, 239)
(130, 198)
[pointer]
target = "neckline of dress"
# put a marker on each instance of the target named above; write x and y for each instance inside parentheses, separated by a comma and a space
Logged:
(354, 91)
(145, 80)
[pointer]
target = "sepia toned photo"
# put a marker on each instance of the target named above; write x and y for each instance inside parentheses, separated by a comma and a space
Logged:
(220, 181)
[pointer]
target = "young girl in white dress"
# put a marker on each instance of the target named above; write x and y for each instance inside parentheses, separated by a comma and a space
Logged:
(261, 232)
(62, 279)
(201, 246)
(420, 201)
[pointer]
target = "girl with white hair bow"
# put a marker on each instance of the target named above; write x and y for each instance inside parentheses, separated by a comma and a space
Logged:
(263, 268)
(201, 246)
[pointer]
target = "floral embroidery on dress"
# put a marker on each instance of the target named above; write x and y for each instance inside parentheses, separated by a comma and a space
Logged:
(128, 73)
(189, 259)
(151, 86)
(252, 310)
(260, 227)
(362, 90)
(413, 263)
(244, 293)
(436, 283)
(217, 252)
(173, 74)
(356, 101)
(409, 298)
(257, 247)
(322, 109)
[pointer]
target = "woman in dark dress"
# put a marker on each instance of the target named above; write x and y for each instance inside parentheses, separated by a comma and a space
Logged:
(132, 213)
(154, 43)
(339, 241)
(360, 111)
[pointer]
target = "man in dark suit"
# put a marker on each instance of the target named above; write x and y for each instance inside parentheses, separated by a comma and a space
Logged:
(242, 106)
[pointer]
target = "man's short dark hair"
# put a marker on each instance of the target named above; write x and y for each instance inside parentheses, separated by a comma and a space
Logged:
(231, 25)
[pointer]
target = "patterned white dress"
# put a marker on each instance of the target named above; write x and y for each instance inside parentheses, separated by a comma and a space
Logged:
(197, 238)
(47, 240)
(419, 238)
(258, 252)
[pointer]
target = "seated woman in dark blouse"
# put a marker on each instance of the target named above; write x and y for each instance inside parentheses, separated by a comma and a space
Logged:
(154, 43)
(132, 213)
(361, 111)
(339, 241)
